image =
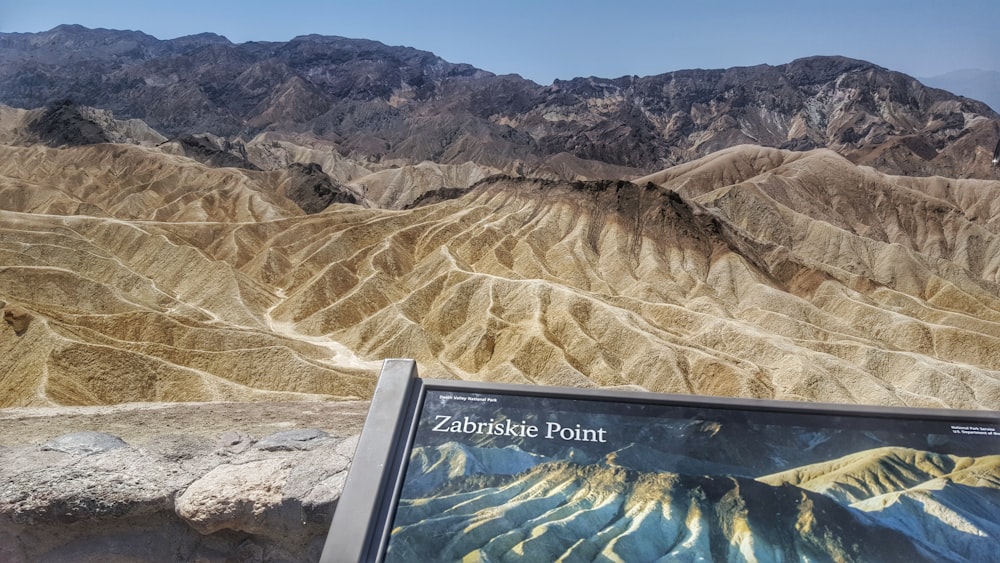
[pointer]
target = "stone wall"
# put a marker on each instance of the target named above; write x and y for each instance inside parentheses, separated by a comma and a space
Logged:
(209, 483)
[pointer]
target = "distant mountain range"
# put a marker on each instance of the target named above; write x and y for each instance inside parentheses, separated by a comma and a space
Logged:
(379, 103)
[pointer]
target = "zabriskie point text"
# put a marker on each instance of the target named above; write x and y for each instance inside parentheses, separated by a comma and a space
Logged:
(553, 430)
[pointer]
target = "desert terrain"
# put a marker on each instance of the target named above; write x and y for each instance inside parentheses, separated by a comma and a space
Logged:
(205, 245)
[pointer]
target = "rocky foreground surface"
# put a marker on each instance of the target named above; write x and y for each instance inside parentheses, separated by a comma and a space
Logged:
(207, 482)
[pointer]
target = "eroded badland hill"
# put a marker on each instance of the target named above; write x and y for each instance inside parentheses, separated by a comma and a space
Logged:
(752, 272)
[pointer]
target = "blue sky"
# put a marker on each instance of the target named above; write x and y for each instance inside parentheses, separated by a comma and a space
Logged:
(543, 40)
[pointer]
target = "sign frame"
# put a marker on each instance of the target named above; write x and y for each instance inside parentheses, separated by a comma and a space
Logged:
(361, 526)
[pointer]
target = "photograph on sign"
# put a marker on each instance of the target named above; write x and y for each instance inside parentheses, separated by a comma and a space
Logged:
(499, 476)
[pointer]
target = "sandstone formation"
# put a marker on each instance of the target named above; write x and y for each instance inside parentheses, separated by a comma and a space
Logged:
(753, 272)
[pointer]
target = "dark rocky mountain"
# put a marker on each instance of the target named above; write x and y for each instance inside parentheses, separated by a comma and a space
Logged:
(381, 102)
(63, 123)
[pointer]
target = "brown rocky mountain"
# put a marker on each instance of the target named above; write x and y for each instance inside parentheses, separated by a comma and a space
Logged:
(380, 103)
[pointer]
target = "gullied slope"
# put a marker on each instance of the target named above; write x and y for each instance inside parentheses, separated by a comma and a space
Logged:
(753, 272)
(879, 504)
(568, 512)
(121, 314)
(944, 501)
(129, 182)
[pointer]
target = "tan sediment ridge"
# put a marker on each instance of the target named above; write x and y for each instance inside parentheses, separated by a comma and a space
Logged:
(751, 272)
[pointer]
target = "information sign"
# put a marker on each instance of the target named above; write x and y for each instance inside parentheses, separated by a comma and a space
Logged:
(488, 472)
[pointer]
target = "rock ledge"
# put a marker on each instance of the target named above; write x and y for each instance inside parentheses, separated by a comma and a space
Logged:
(253, 482)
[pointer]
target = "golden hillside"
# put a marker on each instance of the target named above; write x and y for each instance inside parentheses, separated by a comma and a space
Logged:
(751, 272)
